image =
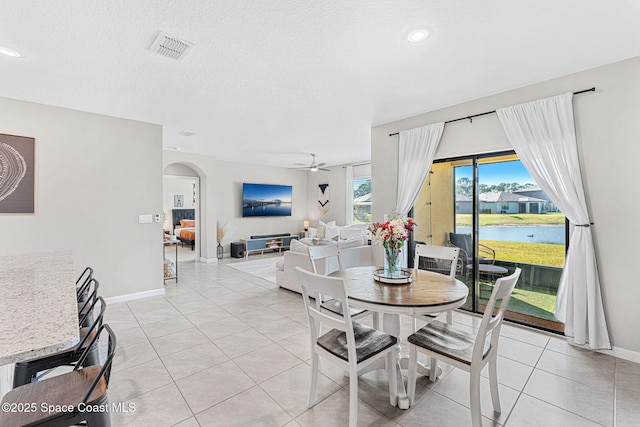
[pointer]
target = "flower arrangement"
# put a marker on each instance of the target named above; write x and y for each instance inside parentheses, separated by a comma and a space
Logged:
(392, 235)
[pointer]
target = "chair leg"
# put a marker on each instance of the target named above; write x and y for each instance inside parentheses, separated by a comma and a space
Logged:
(474, 390)
(315, 367)
(99, 418)
(392, 373)
(433, 368)
(353, 398)
(450, 317)
(493, 383)
(22, 375)
(413, 373)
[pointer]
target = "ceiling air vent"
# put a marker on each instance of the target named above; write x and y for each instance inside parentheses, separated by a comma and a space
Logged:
(170, 46)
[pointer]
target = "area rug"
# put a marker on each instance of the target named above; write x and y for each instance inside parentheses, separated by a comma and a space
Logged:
(264, 268)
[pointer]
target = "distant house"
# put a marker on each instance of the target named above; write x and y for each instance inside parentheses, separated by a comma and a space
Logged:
(509, 203)
(502, 202)
(537, 192)
(464, 204)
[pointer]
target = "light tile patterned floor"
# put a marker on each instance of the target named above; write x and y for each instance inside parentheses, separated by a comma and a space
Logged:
(224, 348)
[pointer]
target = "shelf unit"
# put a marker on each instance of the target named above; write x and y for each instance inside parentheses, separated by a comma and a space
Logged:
(267, 242)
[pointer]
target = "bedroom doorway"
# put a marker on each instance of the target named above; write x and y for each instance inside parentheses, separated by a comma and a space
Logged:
(180, 204)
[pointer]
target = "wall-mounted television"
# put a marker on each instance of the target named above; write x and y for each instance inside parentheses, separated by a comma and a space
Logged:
(266, 200)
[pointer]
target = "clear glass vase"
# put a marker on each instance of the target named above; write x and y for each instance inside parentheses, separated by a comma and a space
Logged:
(391, 262)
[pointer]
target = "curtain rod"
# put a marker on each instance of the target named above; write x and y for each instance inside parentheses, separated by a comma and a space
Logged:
(470, 118)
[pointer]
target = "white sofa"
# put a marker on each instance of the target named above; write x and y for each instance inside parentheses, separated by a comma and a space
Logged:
(354, 252)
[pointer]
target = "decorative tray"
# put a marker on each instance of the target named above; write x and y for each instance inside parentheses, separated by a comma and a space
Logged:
(404, 277)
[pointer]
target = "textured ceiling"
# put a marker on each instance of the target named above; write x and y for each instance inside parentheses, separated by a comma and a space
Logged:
(272, 78)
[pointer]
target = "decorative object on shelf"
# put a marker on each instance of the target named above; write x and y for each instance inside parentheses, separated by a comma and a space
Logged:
(323, 198)
(392, 235)
(403, 277)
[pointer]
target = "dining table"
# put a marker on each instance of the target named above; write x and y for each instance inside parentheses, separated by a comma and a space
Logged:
(429, 293)
(38, 308)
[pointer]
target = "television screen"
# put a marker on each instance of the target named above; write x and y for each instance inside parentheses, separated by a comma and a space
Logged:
(266, 200)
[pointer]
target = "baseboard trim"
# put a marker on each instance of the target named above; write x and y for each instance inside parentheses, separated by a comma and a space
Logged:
(208, 260)
(137, 295)
(623, 353)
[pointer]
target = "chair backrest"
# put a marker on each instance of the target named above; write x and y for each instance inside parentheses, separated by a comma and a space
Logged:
(86, 275)
(97, 320)
(441, 259)
(313, 286)
(105, 370)
(463, 241)
(91, 293)
(329, 253)
(492, 322)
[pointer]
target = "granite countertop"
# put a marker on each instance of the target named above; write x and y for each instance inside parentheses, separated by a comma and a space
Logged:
(38, 305)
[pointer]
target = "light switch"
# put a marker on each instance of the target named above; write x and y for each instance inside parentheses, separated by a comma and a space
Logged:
(145, 219)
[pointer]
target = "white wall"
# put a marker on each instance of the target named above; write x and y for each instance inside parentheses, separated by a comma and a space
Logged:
(231, 175)
(94, 175)
(336, 179)
(608, 132)
(221, 198)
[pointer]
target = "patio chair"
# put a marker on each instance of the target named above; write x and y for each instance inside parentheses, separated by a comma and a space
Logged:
(486, 255)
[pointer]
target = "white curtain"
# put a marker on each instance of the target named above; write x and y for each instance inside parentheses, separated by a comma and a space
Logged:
(416, 150)
(543, 134)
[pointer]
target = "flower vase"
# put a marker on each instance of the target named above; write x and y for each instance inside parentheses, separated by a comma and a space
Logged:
(220, 251)
(391, 262)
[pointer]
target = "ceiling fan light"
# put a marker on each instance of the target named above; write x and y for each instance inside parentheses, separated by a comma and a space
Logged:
(314, 168)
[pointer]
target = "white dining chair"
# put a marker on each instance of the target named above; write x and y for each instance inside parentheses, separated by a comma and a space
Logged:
(463, 350)
(440, 259)
(325, 259)
(349, 344)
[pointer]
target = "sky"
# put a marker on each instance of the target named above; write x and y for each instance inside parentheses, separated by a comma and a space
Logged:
(497, 173)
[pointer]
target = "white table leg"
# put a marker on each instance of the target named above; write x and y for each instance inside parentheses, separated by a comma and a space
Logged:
(391, 325)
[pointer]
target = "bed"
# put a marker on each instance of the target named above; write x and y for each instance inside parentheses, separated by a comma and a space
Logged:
(184, 226)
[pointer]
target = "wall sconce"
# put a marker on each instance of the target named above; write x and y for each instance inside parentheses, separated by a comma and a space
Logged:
(306, 225)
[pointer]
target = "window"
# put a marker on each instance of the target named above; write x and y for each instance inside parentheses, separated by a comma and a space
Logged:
(362, 200)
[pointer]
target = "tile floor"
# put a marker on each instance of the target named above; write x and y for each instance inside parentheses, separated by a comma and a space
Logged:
(224, 348)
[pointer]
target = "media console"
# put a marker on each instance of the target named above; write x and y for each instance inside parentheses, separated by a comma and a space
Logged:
(265, 242)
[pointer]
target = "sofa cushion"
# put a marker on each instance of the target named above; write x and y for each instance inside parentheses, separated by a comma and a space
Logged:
(347, 233)
(312, 232)
(351, 243)
(322, 229)
(332, 232)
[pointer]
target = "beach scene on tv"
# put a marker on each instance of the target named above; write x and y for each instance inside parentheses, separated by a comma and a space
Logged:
(266, 200)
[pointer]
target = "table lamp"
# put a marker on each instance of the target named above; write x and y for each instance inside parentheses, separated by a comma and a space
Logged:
(306, 225)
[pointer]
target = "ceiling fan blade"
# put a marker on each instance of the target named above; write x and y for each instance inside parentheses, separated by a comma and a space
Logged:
(320, 165)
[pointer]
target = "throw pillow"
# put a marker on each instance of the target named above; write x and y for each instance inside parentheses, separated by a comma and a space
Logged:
(332, 232)
(322, 228)
(347, 233)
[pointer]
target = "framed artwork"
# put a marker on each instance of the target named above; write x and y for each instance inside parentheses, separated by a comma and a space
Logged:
(17, 177)
(178, 201)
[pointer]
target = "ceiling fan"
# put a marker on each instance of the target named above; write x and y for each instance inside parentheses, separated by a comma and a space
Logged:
(315, 166)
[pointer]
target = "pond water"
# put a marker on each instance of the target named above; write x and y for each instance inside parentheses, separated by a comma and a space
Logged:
(531, 234)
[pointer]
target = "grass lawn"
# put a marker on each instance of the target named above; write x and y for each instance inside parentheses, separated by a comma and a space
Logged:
(551, 218)
(528, 253)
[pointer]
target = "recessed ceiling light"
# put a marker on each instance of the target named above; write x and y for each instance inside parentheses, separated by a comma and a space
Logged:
(7, 51)
(417, 35)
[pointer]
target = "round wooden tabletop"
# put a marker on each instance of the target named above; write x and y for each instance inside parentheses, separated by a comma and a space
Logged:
(429, 293)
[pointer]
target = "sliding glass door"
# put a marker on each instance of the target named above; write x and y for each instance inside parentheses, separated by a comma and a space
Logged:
(493, 210)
